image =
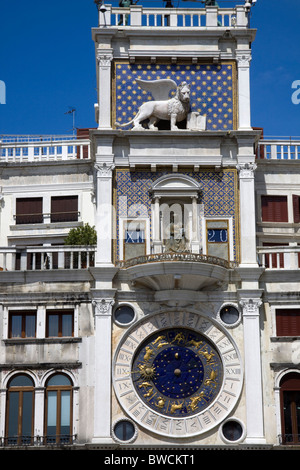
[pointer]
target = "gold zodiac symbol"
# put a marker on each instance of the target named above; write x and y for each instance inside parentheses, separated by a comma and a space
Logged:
(160, 403)
(159, 338)
(179, 338)
(195, 343)
(207, 355)
(160, 345)
(194, 401)
(145, 385)
(212, 378)
(149, 393)
(148, 354)
(175, 407)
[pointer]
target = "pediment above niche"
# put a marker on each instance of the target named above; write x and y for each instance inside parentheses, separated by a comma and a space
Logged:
(175, 185)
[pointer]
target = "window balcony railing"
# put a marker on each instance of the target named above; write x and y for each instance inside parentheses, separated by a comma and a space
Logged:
(39, 218)
(279, 257)
(140, 16)
(14, 149)
(279, 149)
(26, 441)
(39, 258)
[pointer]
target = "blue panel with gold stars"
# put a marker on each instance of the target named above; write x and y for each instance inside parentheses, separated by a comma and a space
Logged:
(219, 196)
(177, 372)
(212, 90)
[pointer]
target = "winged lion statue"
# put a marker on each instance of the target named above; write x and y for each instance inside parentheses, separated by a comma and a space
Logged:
(162, 107)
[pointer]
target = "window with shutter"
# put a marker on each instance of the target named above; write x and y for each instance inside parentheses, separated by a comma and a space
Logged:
(288, 322)
(290, 406)
(296, 208)
(64, 209)
(29, 210)
(274, 209)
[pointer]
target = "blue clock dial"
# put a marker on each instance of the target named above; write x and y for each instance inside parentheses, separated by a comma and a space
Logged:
(177, 372)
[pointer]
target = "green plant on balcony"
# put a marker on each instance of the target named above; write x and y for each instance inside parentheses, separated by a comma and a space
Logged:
(82, 236)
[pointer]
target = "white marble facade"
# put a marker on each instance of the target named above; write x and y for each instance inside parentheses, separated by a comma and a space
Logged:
(212, 268)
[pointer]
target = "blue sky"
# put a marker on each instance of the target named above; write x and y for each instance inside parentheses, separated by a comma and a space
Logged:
(47, 62)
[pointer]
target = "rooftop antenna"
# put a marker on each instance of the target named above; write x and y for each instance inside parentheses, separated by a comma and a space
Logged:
(72, 111)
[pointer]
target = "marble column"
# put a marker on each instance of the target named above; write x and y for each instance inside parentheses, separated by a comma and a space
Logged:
(253, 372)
(104, 59)
(104, 216)
(39, 404)
(247, 214)
(244, 112)
(102, 370)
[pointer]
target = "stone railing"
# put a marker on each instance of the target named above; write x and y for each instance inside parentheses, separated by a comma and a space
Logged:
(24, 149)
(139, 16)
(40, 258)
(279, 257)
(175, 257)
(283, 149)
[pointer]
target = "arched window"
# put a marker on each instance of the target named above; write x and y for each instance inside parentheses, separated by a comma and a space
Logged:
(59, 405)
(290, 408)
(20, 411)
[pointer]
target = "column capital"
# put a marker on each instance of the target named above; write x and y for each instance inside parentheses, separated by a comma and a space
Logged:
(246, 170)
(103, 306)
(251, 306)
(104, 170)
(243, 58)
(104, 58)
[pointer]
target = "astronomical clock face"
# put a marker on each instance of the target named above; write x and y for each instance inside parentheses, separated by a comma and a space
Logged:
(179, 380)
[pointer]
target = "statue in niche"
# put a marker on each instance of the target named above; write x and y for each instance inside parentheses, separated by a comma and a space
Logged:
(174, 109)
(177, 241)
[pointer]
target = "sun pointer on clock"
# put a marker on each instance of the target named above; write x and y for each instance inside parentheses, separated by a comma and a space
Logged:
(147, 371)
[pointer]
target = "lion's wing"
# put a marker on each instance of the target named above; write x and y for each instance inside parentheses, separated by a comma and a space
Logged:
(159, 89)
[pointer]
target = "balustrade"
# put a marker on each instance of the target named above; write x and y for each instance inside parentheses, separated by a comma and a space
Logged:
(279, 257)
(278, 149)
(46, 257)
(139, 16)
(43, 148)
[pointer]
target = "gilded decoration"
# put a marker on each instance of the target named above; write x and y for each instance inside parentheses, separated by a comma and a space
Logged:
(212, 90)
(177, 374)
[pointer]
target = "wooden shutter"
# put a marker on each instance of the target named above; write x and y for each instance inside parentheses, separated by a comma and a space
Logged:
(274, 209)
(29, 210)
(288, 322)
(296, 209)
(64, 208)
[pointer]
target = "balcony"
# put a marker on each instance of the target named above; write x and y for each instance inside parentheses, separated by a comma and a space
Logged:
(32, 149)
(279, 149)
(184, 271)
(279, 257)
(205, 18)
(38, 441)
(45, 258)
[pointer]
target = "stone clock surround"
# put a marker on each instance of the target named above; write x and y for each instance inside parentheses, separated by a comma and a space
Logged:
(165, 424)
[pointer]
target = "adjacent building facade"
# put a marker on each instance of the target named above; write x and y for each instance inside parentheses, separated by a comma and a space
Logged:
(180, 327)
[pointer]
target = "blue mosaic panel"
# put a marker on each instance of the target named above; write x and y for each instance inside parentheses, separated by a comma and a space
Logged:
(212, 90)
(218, 196)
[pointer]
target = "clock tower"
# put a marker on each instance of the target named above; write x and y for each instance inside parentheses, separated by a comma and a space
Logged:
(176, 292)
